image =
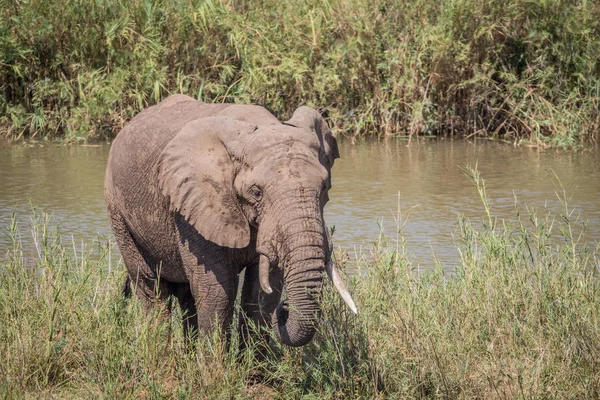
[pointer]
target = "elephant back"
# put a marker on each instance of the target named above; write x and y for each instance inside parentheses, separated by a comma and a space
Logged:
(129, 186)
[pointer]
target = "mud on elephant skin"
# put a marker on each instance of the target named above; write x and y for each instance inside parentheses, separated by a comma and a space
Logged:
(197, 193)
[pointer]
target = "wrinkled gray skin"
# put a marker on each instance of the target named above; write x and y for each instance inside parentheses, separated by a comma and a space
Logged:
(197, 192)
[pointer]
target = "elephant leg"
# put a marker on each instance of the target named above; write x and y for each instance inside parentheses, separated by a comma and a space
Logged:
(148, 288)
(258, 307)
(184, 296)
(213, 284)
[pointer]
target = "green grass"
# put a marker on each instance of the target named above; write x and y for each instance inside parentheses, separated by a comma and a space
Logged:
(518, 318)
(525, 71)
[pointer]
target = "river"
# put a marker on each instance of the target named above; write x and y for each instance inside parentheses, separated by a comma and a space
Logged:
(373, 184)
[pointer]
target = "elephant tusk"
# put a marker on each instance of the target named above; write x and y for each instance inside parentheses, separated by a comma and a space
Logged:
(335, 277)
(263, 274)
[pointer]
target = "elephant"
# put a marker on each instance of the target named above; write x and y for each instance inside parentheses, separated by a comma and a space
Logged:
(196, 193)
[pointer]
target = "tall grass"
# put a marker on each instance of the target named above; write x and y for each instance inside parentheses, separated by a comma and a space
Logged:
(518, 318)
(519, 70)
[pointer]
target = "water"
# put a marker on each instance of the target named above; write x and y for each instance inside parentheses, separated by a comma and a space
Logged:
(373, 183)
(424, 183)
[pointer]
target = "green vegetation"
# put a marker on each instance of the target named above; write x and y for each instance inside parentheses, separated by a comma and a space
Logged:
(518, 318)
(519, 70)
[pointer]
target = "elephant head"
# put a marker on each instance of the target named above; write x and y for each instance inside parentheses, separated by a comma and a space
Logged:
(228, 177)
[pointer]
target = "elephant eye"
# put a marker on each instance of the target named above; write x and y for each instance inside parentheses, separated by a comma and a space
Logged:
(256, 192)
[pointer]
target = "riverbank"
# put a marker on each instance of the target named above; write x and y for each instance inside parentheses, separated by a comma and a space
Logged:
(77, 70)
(520, 317)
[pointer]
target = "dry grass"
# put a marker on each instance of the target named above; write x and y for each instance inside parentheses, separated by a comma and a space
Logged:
(518, 318)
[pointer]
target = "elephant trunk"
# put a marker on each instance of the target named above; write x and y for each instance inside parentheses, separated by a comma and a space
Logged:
(295, 318)
(302, 255)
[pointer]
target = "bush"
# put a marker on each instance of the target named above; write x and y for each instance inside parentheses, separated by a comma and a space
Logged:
(76, 69)
(522, 70)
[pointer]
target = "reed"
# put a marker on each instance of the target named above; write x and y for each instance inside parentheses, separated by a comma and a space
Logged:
(521, 71)
(519, 317)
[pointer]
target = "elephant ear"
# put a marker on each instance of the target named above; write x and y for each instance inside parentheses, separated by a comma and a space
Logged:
(308, 118)
(196, 173)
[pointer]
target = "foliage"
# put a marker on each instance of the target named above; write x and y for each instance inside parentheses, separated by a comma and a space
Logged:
(518, 318)
(522, 70)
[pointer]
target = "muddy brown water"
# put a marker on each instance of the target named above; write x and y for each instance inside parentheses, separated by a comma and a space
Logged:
(373, 183)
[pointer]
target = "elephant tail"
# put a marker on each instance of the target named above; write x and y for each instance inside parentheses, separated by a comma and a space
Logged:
(126, 288)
